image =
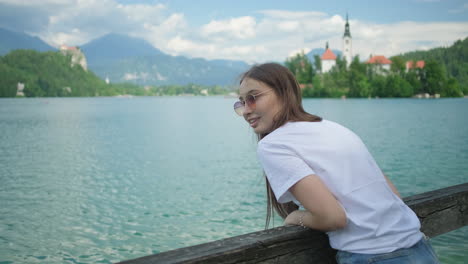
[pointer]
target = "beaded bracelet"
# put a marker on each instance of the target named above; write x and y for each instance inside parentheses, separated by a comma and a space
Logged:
(301, 222)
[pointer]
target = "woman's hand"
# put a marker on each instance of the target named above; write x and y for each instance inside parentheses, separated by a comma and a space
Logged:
(294, 218)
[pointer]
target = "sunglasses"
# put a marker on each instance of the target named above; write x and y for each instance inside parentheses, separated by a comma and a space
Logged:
(250, 101)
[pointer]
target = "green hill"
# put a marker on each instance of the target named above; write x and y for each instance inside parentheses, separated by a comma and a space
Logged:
(51, 74)
(454, 60)
(48, 74)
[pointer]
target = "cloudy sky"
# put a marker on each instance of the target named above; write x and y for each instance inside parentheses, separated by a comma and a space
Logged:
(249, 30)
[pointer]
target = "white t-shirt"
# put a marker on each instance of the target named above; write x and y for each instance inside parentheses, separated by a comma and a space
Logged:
(378, 221)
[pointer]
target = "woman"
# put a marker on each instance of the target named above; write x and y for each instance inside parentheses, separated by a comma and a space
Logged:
(325, 168)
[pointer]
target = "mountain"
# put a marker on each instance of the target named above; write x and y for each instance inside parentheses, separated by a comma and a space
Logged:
(116, 47)
(125, 59)
(10, 40)
(319, 52)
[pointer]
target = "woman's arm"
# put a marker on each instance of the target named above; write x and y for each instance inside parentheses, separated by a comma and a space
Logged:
(323, 211)
(394, 189)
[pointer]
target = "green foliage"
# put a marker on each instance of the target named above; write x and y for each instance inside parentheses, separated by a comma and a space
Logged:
(452, 89)
(318, 63)
(51, 74)
(398, 65)
(454, 60)
(47, 74)
(434, 77)
(357, 79)
(8, 80)
(445, 73)
(301, 67)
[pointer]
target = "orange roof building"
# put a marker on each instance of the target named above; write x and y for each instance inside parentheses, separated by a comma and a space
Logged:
(65, 47)
(328, 59)
(328, 55)
(381, 62)
(411, 65)
(379, 59)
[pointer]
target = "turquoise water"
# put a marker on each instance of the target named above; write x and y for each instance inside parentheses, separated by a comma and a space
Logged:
(100, 180)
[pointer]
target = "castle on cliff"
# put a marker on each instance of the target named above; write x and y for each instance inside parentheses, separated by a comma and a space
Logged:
(77, 56)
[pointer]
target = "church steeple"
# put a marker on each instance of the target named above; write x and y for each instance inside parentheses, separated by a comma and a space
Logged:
(347, 32)
(347, 43)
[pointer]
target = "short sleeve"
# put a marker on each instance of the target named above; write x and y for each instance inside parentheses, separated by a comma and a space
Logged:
(283, 168)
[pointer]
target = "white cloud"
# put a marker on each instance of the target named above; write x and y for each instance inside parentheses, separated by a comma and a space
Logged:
(270, 35)
(393, 39)
(238, 28)
(181, 45)
(38, 2)
(288, 15)
(298, 51)
(289, 26)
(142, 12)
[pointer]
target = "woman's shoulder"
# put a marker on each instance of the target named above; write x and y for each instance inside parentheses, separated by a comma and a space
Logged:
(294, 131)
(299, 127)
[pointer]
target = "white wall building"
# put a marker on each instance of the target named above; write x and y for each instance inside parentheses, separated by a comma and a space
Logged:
(347, 44)
(328, 59)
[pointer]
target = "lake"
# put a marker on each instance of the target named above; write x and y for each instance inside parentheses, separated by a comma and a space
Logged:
(100, 180)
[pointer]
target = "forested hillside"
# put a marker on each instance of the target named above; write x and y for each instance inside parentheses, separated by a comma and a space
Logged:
(445, 74)
(51, 74)
(454, 60)
(48, 74)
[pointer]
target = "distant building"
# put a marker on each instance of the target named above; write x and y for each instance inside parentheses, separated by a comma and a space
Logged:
(19, 89)
(328, 59)
(347, 44)
(382, 64)
(77, 56)
(415, 65)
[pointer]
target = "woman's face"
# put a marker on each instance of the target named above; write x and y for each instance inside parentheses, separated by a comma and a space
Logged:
(267, 105)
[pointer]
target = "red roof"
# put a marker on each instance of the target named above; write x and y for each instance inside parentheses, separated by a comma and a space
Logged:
(419, 64)
(379, 59)
(328, 55)
(65, 47)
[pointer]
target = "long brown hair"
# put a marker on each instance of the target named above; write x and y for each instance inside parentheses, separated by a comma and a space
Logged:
(287, 89)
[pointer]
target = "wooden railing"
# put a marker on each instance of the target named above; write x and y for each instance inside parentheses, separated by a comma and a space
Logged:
(439, 211)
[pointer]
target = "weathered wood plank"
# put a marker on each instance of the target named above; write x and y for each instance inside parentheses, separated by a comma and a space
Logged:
(269, 246)
(440, 211)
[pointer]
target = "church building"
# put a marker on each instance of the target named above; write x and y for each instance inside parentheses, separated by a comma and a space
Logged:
(347, 44)
(329, 58)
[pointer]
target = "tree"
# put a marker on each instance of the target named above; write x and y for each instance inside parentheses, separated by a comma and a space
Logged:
(454, 60)
(398, 66)
(434, 77)
(396, 86)
(451, 89)
(413, 77)
(9, 78)
(301, 67)
(358, 82)
(317, 64)
(378, 86)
